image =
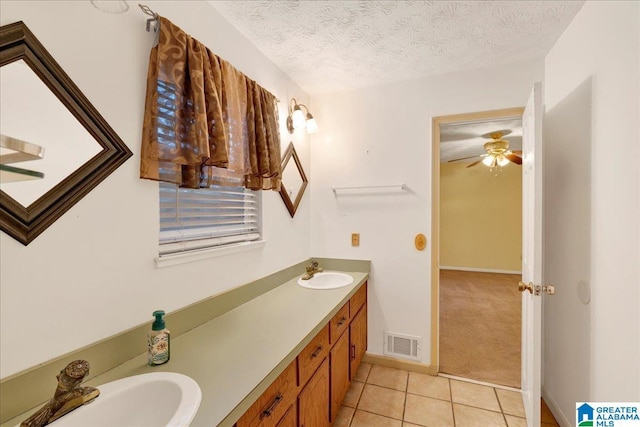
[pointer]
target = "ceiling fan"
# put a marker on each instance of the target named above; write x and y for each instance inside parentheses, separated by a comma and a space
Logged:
(498, 153)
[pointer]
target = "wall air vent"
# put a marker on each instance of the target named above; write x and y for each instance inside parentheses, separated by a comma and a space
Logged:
(402, 346)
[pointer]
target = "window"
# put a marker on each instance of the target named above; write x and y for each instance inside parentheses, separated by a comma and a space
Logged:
(210, 135)
(193, 219)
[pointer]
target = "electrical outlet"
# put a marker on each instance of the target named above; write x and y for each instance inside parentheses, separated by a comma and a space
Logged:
(355, 239)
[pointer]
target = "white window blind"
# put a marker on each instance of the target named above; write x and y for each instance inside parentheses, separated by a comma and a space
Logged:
(193, 219)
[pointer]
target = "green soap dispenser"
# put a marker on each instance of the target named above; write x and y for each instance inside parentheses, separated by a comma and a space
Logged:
(159, 350)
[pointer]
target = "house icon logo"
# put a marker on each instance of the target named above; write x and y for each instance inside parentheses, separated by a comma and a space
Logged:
(585, 415)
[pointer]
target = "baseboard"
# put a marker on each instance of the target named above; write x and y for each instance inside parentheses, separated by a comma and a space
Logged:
(484, 383)
(480, 270)
(555, 409)
(407, 365)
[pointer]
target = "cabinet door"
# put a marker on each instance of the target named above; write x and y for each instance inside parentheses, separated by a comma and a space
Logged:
(358, 331)
(289, 419)
(339, 368)
(313, 400)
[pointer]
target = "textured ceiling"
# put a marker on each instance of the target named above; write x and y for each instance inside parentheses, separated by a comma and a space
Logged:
(329, 46)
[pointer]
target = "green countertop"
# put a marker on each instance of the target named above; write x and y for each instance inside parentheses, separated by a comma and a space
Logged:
(237, 355)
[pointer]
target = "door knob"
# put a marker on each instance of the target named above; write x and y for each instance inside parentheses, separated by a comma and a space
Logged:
(525, 287)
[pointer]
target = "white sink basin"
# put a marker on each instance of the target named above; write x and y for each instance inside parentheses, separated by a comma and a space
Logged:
(156, 399)
(327, 280)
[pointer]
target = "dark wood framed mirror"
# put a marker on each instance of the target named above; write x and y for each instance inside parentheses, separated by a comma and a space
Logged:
(79, 153)
(294, 180)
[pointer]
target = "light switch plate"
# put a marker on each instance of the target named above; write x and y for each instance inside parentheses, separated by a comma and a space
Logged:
(355, 239)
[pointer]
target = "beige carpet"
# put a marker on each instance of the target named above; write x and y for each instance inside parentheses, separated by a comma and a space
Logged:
(480, 321)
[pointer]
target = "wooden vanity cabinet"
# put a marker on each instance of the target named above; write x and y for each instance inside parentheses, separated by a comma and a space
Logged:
(358, 329)
(358, 335)
(312, 356)
(270, 408)
(290, 419)
(339, 323)
(310, 391)
(313, 400)
(339, 362)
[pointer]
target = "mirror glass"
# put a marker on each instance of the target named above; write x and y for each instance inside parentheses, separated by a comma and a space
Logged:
(45, 113)
(32, 113)
(294, 180)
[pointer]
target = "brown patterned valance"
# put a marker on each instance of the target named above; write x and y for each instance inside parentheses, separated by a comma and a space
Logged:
(205, 122)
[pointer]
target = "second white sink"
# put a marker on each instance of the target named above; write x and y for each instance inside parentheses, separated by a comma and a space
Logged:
(156, 399)
(327, 280)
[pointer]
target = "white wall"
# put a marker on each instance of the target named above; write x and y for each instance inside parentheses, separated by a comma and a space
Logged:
(592, 211)
(91, 274)
(380, 136)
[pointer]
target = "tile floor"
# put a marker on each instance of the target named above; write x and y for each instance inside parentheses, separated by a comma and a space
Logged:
(386, 397)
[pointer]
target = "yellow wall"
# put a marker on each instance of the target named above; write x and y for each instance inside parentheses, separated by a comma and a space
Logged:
(480, 217)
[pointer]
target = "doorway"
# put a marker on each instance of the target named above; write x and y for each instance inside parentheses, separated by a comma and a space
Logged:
(476, 244)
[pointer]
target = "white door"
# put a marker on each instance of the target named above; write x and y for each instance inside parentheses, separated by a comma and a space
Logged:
(532, 255)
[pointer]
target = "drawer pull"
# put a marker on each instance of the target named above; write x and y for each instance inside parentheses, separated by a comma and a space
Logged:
(267, 412)
(341, 322)
(353, 351)
(317, 352)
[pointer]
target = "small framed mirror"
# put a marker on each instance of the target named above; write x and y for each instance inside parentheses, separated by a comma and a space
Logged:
(75, 147)
(294, 181)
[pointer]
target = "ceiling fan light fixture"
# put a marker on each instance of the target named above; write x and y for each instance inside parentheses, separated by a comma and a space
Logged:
(497, 153)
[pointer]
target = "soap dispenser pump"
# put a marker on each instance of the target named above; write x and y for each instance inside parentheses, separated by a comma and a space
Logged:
(159, 350)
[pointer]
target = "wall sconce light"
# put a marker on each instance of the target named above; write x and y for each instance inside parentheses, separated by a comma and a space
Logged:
(297, 118)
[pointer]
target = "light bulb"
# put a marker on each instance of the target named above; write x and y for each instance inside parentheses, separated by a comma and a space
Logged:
(488, 160)
(299, 121)
(502, 161)
(312, 126)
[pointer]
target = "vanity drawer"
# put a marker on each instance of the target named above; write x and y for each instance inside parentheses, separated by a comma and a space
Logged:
(312, 356)
(358, 299)
(339, 323)
(274, 402)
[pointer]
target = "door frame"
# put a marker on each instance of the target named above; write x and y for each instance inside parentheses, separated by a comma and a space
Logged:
(435, 213)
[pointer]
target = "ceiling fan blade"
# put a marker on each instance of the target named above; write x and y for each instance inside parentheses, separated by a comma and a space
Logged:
(513, 158)
(465, 158)
(518, 152)
(474, 163)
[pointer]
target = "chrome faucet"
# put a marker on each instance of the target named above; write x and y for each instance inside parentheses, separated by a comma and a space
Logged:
(311, 270)
(68, 396)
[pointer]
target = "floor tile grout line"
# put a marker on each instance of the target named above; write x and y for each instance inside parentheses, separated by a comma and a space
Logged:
(449, 378)
(360, 395)
(453, 414)
(380, 415)
(406, 392)
(495, 391)
(439, 399)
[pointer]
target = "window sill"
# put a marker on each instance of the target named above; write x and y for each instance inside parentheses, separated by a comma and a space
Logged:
(191, 256)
